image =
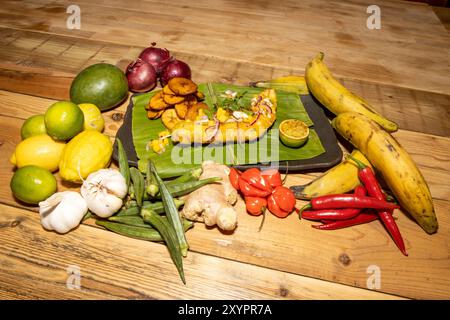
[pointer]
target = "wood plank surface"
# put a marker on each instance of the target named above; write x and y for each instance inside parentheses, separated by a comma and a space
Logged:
(44, 65)
(344, 255)
(277, 35)
(34, 265)
(401, 69)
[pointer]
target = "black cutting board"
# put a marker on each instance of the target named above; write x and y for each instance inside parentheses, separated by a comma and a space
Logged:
(331, 156)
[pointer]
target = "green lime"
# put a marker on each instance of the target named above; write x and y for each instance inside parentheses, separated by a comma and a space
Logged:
(33, 126)
(64, 120)
(293, 133)
(32, 184)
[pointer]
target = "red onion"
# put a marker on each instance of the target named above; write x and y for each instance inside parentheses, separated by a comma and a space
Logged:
(215, 129)
(268, 109)
(141, 76)
(175, 68)
(254, 120)
(157, 57)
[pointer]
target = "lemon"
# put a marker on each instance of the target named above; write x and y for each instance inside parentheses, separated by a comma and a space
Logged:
(64, 120)
(293, 133)
(32, 184)
(93, 119)
(33, 126)
(40, 150)
(87, 152)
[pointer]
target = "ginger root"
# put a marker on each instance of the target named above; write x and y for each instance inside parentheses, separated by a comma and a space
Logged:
(213, 203)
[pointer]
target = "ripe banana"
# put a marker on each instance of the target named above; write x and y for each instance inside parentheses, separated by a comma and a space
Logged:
(339, 179)
(393, 162)
(335, 97)
(295, 84)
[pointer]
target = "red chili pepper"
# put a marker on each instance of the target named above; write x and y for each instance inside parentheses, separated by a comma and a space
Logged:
(367, 177)
(255, 205)
(285, 198)
(330, 214)
(254, 178)
(364, 217)
(251, 191)
(234, 177)
(335, 214)
(272, 177)
(275, 209)
(344, 201)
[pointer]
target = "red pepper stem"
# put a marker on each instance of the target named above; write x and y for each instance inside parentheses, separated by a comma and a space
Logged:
(361, 165)
(305, 207)
(263, 219)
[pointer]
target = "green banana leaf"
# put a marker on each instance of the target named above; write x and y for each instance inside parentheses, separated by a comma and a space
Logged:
(266, 149)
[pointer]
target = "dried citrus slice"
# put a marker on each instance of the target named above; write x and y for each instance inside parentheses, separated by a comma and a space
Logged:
(182, 86)
(170, 118)
(157, 102)
(173, 99)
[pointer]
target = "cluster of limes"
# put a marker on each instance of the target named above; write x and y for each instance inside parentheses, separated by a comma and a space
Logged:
(44, 138)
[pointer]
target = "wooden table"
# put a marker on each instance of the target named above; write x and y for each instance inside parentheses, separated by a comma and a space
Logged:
(402, 69)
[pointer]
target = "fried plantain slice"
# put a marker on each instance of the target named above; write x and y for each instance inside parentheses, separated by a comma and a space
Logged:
(181, 109)
(154, 114)
(173, 99)
(166, 90)
(182, 86)
(170, 118)
(157, 102)
(193, 111)
(199, 95)
(191, 100)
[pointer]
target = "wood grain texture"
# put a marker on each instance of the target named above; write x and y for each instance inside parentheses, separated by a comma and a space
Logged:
(277, 35)
(44, 65)
(34, 265)
(344, 255)
(401, 69)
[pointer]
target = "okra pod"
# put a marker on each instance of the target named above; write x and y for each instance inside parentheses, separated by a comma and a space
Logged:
(141, 233)
(151, 185)
(138, 221)
(138, 184)
(181, 189)
(168, 234)
(158, 207)
(171, 213)
(192, 175)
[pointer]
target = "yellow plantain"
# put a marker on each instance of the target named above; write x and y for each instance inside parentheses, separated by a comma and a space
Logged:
(295, 84)
(393, 162)
(335, 97)
(339, 179)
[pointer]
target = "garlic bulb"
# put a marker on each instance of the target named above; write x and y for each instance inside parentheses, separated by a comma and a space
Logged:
(62, 211)
(103, 191)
